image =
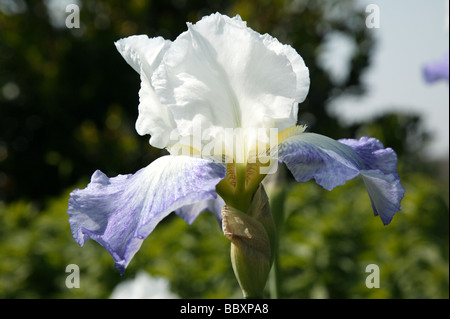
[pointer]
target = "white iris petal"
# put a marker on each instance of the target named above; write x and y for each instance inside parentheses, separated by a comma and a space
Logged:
(218, 75)
(144, 55)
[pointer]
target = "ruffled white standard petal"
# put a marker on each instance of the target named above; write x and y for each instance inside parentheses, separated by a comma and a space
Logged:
(144, 55)
(332, 163)
(222, 74)
(154, 119)
(120, 212)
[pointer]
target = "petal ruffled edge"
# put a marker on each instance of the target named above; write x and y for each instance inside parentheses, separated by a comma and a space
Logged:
(120, 212)
(332, 163)
(144, 55)
(201, 74)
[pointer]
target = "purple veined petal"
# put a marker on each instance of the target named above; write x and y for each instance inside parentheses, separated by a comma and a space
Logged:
(120, 212)
(190, 212)
(385, 192)
(437, 70)
(332, 163)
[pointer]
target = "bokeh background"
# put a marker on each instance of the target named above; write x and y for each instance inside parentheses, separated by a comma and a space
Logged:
(68, 103)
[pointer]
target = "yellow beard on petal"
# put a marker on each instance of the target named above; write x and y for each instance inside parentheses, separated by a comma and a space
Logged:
(290, 132)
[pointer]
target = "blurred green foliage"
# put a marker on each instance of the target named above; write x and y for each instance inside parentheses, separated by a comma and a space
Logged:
(328, 240)
(331, 237)
(68, 103)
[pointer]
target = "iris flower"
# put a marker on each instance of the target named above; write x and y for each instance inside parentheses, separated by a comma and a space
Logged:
(437, 70)
(239, 87)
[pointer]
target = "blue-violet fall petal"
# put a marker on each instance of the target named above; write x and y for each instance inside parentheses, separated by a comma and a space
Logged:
(190, 212)
(332, 163)
(120, 212)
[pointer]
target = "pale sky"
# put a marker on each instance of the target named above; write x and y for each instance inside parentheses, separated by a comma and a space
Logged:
(411, 33)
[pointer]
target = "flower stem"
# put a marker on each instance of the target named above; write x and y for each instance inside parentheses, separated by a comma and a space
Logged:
(275, 275)
(277, 197)
(274, 278)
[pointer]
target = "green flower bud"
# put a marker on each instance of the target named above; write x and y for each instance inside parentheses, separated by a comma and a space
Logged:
(252, 236)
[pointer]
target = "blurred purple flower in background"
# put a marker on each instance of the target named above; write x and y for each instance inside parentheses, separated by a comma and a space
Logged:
(436, 70)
